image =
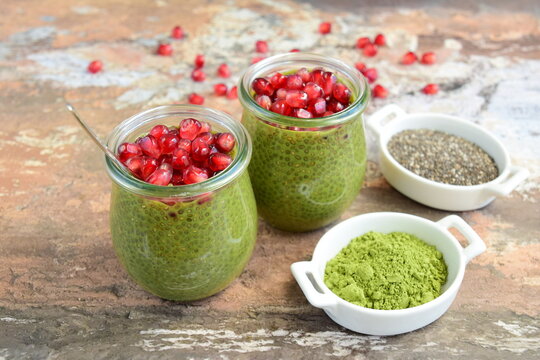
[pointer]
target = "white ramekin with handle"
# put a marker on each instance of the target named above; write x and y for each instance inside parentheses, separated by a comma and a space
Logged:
(310, 274)
(391, 120)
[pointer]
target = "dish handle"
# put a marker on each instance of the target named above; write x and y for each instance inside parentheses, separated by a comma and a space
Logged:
(375, 121)
(476, 245)
(517, 175)
(303, 273)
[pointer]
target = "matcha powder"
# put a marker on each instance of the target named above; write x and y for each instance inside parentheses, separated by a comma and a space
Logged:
(387, 271)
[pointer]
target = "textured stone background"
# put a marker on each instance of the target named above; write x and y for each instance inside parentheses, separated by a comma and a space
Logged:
(63, 294)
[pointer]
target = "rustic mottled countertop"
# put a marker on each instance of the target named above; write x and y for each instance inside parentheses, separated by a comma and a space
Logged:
(63, 293)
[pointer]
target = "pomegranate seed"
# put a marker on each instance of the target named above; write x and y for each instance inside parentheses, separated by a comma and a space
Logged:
(174, 131)
(261, 46)
(294, 82)
(328, 113)
(162, 176)
(256, 59)
(318, 107)
(177, 32)
(334, 105)
(95, 66)
(380, 40)
(184, 144)
(225, 142)
(370, 50)
(196, 99)
(325, 28)
(304, 74)
(207, 137)
(194, 174)
(199, 61)
(128, 150)
(158, 131)
(313, 90)
(233, 93)
(199, 150)
(278, 80)
(409, 58)
(281, 93)
(168, 143)
(264, 101)
(380, 91)
(371, 74)
(180, 159)
(224, 71)
(428, 58)
(148, 167)
(220, 89)
(294, 50)
(134, 164)
(362, 42)
(189, 128)
(149, 146)
(296, 98)
(303, 114)
(164, 50)
(281, 107)
(328, 82)
(205, 127)
(198, 75)
(219, 161)
(177, 178)
(360, 66)
(342, 93)
(165, 159)
(431, 89)
(262, 86)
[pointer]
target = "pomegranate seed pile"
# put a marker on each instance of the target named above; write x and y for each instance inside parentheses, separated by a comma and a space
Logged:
(185, 155)
(304, 94)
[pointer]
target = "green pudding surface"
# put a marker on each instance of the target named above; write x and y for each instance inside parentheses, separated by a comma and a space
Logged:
(189, 250)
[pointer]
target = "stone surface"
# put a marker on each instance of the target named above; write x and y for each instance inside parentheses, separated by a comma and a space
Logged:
(63, 293)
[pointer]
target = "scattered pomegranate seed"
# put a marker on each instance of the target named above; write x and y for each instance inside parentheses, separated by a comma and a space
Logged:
(409, 58)
(219, 161)
(164, 50)
(168, 143)
(177, 32)
(428, 58)
(196, 99)
(264, 101)
(294, 50)
(371, 74)
(325, 28)
(261, 46)
(342, 93)
(370, 50)
(431, 89)
(128, 150)
(95, 66)
(380, 91)
(198, 75)
(233, 93)
(199, 61)
(189, 128)
(256, 59)
(220, 89)
(181, 159)
(223, 71)
(162, 176)
(380, 40)
(194, 174)
(360, 66)
(149, 146)
(362, 42)
(225, 142)
(261, 86)
(158, 131)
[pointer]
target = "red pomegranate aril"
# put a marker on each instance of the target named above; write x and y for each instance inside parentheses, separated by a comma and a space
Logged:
(95, 66)
(409, 58)
(342, 93)
(205, 127)
(328, 82)
(149, 146)
(189, 128)
(370, 50)
(264, 101)
(232, 93)
(174, 131)
(380, 40)
(148, 167)
(360, 66)
(180, 159)
(128, 150)
(278, 80)
(294, 82)
(304, 74)
(177, 32)
(334, 105)
(198, 75)
(262, 86)
(225, 142)
(362, 42)
(200, 150)
(303, 114)
(261, 46)
(164, 50)
(224, 71)
(165, 159)
(208, 137)
(219, 161)
(371, 74)
(158, 131)
(177, 178)
(134, 164)
(318, 107)
(195, 99)
(325, 28)
(313, 91)
(431, 89)
(316, 76)
(281, 93)
(428, 58)
(296, 98)
(162, 176)
(281, 107)
(194, 174)
(294, 50)
(168, 143)
(220, 89)
(184, 144)
(199, 61)
(380, 91)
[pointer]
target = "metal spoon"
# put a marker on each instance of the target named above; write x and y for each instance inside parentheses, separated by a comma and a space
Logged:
(94, 137)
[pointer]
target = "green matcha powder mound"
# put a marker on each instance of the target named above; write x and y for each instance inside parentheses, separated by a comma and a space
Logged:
(387, 271)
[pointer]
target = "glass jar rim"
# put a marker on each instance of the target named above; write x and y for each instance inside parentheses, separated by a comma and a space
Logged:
(122, 177)
(266, 66)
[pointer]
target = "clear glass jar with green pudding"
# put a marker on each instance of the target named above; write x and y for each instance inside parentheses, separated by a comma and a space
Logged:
(305, 171)
(183, 242)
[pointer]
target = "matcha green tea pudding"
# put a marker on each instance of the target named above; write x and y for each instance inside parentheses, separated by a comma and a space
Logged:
(304, 114)
(183, 214)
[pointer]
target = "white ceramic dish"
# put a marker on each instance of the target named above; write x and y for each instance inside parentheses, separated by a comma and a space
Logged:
(431, 193)
(310, 274)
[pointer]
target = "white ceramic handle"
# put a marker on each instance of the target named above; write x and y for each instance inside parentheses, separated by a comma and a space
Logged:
(375, 121)
(300, 271)
(476, 245)
(517, 175)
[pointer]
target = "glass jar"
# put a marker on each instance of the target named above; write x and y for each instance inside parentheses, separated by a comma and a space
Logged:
(305, 172)
(183, 242)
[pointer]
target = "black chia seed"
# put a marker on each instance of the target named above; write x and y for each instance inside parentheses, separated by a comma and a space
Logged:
(441, 157)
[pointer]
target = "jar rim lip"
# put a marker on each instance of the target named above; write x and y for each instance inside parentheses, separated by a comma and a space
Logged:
(266, 66)
(129, 182)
